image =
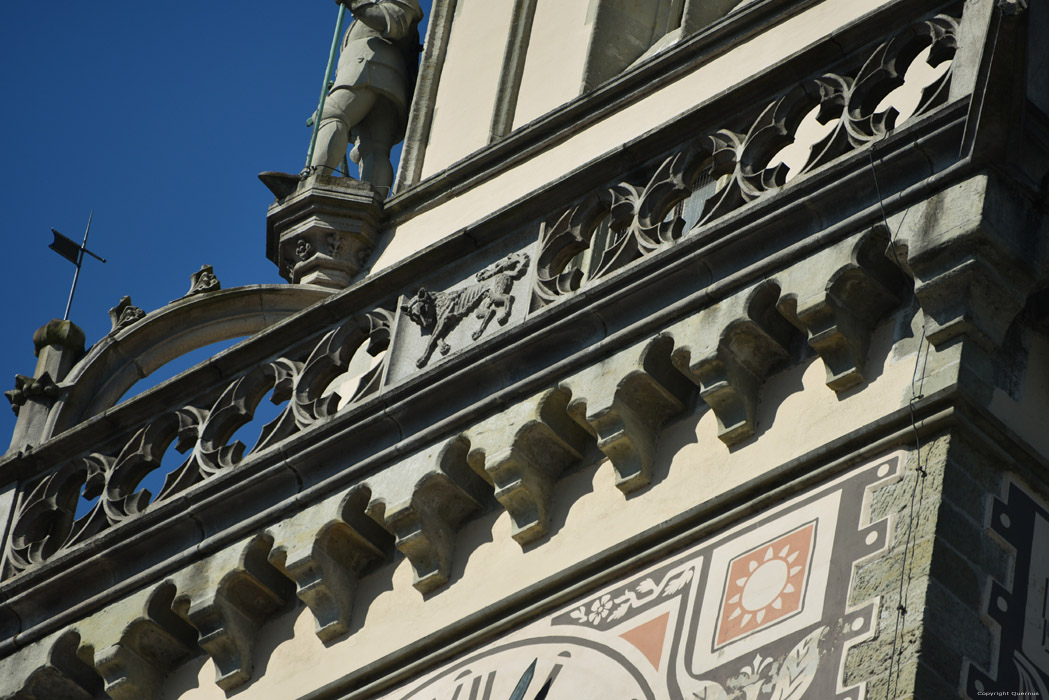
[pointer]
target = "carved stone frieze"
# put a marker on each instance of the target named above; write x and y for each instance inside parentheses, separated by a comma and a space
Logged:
(489, 298)
(64, 676)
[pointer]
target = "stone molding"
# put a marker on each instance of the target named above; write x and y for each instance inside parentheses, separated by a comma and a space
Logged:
(722, 350)
(324, 232)
(617, 406)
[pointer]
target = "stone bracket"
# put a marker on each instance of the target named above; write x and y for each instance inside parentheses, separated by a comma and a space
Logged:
(625, 408)
(63, 677)
(425, 523)
(975, 252)
(731, 365)
(229, 616)
(326, 568)
(525, 471)
(149, 648)
(839, 316)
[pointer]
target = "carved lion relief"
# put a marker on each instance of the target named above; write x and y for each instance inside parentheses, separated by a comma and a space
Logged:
(438, 313)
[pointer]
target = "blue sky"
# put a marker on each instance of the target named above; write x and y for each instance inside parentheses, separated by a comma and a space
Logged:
(158, 117)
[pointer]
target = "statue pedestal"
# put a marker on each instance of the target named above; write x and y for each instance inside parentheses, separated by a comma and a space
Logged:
(323, 232)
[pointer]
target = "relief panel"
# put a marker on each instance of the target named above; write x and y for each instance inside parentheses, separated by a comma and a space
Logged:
(433, 324)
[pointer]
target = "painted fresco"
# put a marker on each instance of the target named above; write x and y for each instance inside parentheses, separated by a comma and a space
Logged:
(1022, 614)
(759, 612)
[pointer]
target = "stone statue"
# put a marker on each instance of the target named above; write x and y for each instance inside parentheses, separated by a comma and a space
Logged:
(373, 87)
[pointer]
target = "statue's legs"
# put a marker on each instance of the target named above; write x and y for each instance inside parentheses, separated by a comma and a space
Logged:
(374, 137)
(344, 108)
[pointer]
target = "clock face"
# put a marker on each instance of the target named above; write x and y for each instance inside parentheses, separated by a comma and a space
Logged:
(574, 669)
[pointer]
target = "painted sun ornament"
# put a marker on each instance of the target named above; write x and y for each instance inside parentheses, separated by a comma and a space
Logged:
(765, 584)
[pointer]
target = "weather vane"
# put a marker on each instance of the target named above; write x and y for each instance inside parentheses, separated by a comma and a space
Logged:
(74, 253)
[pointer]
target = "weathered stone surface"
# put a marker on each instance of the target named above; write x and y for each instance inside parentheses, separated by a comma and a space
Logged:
(443, 321)
(624, 401)
(423, 502)
(975, 252)
(326, 562)
(728, 350)
(837, 297)
(51, 671)
(522, 453)
(58, 346)
(324, 233)
(227, 598)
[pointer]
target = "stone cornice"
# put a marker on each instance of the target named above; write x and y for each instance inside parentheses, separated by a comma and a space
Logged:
(706, 315)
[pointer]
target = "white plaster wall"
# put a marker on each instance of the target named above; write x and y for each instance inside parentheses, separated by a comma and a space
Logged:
(553, 72)
(797, 414)
(626, 125)
(465, 102)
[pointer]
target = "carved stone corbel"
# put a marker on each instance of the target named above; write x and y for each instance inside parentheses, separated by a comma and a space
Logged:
(323, 232)
(728, 350)
(624, 402)
(975, 254)
(326, 565)
(838, 314)
(149, 648)
(64, 676)
(522, 453)
(229, 613)
(444, 492)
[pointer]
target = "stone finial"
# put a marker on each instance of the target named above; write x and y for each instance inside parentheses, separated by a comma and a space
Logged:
(60, 334)
(58, 345)
(203, 281)
(124, 314)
